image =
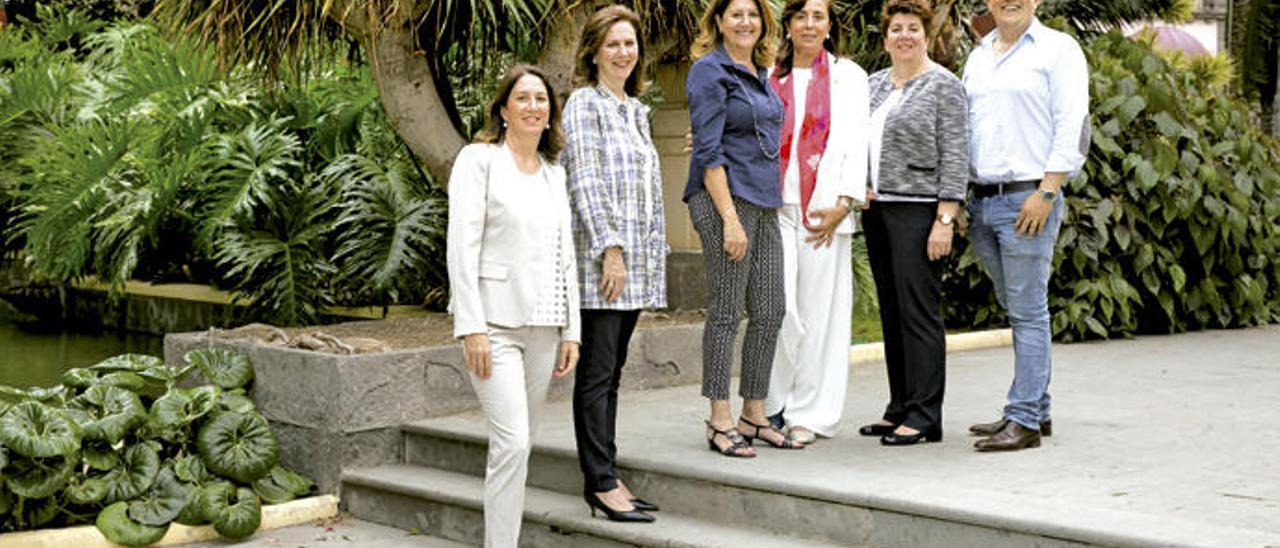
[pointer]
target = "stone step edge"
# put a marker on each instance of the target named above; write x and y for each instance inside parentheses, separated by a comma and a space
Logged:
(1092, 528)
(865, 353)
(565, 512)
(274, 516)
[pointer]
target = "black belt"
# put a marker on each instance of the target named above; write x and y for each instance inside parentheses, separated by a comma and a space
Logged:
(985, 190)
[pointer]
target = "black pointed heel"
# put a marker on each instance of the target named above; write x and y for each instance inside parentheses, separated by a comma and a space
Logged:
(644, 505)
(876, 430)
(629, 516)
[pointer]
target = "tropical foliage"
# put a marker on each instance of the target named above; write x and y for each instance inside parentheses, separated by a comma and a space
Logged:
(1170, 227)
(120, 445)
(137, 156)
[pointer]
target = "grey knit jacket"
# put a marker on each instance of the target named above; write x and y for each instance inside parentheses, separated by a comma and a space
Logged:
(925, 148)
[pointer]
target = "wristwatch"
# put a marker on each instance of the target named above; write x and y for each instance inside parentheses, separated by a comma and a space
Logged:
(946, 219)
(1047, 194)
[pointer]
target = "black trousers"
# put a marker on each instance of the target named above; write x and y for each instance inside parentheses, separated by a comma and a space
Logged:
(910, 311)
(605, 335)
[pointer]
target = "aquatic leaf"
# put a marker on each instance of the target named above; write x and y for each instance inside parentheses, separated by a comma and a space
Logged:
(80, 378)
(190, 468)
(87, 491)
(224, 368)
(270, 492)
(128, 362)
(238, 446)
(296, 483)
(235, 512)
(115, 524)
(134, 475)
(236, 401)
(124, 379)
(100, 456)
(163, 502)
(193, 512)
(113, 412)
(37, 513)
(166, 374)
(39, 478)
(35, 430)
(180, 407)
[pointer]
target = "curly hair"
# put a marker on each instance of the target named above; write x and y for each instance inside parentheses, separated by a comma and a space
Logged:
(709, 32)
(918, 8)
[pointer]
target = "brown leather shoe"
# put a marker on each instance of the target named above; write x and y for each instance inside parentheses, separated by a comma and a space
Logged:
(990, 428)
(1012, 437)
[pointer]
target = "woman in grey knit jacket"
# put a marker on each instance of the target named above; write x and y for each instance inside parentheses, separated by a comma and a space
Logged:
(919, 168)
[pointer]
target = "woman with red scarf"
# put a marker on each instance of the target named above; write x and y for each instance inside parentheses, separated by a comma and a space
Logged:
(823, 178)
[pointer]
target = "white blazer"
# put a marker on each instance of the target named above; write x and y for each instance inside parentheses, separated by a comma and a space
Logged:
(843, 170)
(495, 249)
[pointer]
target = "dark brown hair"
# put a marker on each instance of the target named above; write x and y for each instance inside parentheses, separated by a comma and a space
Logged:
(787, 53)
(585, 71)
(709, 34)
(918, 8)
(493, 132)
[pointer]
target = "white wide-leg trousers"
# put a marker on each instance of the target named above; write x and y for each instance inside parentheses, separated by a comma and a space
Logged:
(511, 397)
(811, 366)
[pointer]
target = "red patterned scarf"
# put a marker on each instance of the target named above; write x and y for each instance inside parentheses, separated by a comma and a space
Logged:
(814, 129)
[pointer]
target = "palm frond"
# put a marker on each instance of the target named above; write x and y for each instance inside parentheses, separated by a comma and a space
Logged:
(1100, 15)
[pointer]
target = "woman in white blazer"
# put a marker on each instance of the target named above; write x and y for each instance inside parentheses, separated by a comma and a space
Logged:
(824, 170)
(513, 280)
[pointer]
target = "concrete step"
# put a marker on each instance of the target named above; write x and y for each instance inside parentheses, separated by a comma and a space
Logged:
(675, 489)
(449, 505)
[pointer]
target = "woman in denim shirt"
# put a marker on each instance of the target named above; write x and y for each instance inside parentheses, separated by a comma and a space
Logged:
(733, 196)
(615, 185)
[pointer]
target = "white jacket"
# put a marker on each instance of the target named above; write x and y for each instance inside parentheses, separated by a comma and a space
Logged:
(495, 250)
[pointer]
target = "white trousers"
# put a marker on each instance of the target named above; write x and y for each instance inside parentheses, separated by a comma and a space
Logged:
(511, 397)
(811, 366)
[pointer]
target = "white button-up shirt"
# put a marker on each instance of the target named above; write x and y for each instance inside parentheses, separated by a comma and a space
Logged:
(1028, 110)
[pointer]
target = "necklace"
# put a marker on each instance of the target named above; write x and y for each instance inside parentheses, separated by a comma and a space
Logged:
(770, 152)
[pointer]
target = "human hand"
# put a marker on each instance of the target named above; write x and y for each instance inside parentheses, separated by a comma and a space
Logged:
(823, 232)
(567, 360)
(939, 245)
(1031, 219)
(613, 277)
(735, 239)
(688, 142)
(871, 195)
(476, 354)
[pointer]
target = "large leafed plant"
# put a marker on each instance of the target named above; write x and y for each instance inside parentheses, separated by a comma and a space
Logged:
(121, 445)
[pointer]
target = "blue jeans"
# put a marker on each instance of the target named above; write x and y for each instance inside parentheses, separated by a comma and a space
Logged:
(1019, 269)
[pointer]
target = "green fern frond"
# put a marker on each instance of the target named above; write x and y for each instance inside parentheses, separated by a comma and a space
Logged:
(246, 166)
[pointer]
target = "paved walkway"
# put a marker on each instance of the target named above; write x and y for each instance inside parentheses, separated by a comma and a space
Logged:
(1157, 441)
(1172, 437)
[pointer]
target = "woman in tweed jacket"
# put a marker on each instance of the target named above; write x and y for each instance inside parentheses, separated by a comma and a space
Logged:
(616, 188)
(919, 171)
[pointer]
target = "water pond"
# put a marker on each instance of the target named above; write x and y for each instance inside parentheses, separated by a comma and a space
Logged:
(38, 359)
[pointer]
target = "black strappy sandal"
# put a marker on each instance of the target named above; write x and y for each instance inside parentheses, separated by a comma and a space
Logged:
(736, 442)
(786, 442)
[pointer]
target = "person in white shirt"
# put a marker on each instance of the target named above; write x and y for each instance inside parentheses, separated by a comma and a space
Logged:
(1028, 92)
(824, 165)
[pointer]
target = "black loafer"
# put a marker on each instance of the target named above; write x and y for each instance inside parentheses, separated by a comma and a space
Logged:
(893, 439)
(877, 430)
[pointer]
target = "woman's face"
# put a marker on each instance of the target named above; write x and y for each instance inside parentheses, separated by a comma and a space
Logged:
(528, 107)
(809, 27)
(905, 39)
(616, 58)
(741, 24)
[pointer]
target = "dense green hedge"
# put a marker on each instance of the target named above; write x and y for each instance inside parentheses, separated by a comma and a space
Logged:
(1172, 225)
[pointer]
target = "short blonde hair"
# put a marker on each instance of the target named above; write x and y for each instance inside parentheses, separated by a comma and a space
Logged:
(709, 33)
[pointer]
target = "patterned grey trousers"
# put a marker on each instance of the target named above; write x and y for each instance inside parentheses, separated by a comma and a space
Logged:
(756, 281)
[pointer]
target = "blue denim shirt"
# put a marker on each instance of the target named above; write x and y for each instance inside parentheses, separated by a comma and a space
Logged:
(737, 123)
